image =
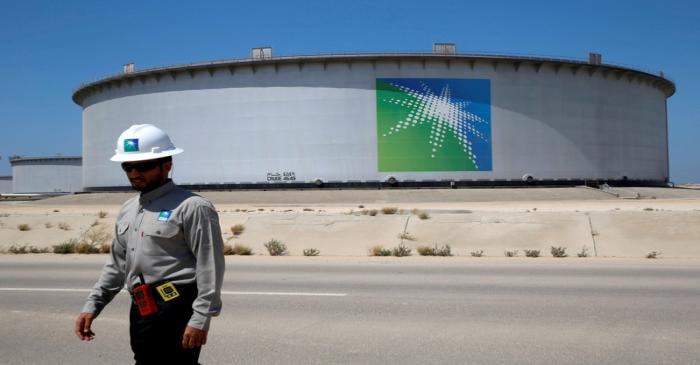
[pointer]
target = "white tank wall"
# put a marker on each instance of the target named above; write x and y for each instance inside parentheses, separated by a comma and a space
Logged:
(320, 122)
(5, 184)
(47, 177)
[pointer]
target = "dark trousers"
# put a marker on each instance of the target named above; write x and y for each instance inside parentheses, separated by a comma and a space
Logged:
(157, 339)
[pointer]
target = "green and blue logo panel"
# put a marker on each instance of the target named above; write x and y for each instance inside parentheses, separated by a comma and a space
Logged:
(131, 145)
(433, 125)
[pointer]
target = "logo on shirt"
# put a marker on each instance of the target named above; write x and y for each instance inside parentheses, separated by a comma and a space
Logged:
(164, 215)
(131, 145)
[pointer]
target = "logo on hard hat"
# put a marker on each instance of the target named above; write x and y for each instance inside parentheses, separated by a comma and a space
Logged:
(131, 145)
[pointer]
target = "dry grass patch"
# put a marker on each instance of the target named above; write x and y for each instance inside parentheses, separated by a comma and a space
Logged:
(407, 236)
(584, 252)
(379, 251)
(559, 251)
(434, 251)
(242, 250)
(228, 250)
(311, 252)
(532, 253)
(390, 210)
(18, 250)
(237, 249)
(66, 247)
(102, 214)
(23, 227)
(64, 226)
(95, 239)
(654, 255)
(370, 212)
(513, 253)
(479, 253)
(237, 229)
(105, 248)
(401, 250)
(276, 248)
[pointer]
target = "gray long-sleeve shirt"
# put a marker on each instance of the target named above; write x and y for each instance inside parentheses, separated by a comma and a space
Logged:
(166, 234)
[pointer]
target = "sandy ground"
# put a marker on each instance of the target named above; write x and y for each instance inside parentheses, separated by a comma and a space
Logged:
(469, 220)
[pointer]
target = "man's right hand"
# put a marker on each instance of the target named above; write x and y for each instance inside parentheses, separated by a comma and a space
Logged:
(82, 326)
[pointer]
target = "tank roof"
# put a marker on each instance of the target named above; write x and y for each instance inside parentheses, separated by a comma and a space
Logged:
(20, 159)
(664, 83)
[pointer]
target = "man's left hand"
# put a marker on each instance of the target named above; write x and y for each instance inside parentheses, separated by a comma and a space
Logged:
(193, 338)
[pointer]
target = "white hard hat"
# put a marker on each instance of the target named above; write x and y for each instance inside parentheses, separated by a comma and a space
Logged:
(143, 142)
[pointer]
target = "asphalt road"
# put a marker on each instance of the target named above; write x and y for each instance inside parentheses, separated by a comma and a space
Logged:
(366, 311)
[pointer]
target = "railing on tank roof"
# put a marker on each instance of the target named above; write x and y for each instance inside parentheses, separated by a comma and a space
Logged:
(483, 55)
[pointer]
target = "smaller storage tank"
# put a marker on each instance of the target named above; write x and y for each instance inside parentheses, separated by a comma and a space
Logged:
(52, 174)
(5, 184)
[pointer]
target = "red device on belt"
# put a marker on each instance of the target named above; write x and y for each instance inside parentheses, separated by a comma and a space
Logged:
(143, 296)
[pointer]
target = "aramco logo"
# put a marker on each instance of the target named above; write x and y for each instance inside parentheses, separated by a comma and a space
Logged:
(433, 125)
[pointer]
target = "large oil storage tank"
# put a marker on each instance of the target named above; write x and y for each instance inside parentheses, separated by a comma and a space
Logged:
(47, 174)
(410, 118)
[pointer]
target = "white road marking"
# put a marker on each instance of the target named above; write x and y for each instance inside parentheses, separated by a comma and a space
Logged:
(48, 289)
(284, 294)
(290, 294)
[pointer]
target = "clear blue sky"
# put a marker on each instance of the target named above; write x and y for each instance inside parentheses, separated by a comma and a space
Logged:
(47, 48)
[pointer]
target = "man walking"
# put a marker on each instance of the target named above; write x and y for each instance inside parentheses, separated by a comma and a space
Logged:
(167, 251)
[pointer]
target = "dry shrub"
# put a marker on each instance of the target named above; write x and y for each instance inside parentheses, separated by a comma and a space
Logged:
(276, 248)
(532, 253)
(584, 252)
(445, 250)
(243, 250)
(237, 229)
(86, 248)
(401, 250)
(102, 214)
(105, 248)
(27, 249)
(389, 210)
(311, 252)
(407, 236)
(379, 251)
(228, 250)
(66, 247)
(559, 251)
(513, 253)
(64, 226)
(23, 227)
(654, 255)
(95, 239)
(479, 253)
(237, 249)
(96, 236)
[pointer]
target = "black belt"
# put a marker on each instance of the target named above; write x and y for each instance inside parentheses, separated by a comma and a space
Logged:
(182, 290)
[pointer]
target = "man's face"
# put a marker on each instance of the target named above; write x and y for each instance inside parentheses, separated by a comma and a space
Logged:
(145, 176)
